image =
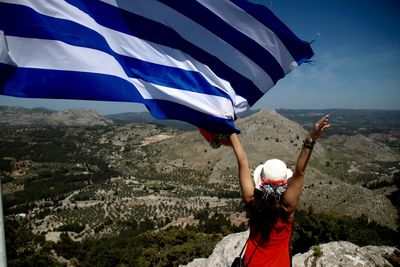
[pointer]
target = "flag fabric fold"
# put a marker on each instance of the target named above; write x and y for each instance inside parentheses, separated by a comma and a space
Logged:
(197, 61)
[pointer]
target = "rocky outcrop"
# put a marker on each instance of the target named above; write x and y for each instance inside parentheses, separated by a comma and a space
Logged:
(341, 253)
(224, 252)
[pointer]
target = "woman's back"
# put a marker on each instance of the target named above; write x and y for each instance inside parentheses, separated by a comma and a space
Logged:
(274, 252)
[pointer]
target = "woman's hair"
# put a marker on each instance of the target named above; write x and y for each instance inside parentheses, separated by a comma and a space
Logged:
(263, 215)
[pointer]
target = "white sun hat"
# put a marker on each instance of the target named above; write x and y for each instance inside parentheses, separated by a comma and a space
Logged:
(273, 170)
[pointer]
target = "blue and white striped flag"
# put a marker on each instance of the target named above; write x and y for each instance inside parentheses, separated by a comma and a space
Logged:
(198, 61)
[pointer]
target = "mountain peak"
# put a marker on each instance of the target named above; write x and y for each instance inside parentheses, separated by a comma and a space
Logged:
(79, 117)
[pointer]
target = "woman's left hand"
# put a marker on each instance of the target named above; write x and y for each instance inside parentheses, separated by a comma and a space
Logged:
(319, 127)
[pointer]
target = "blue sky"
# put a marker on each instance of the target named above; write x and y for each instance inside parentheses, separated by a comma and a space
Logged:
(356, 62)
(356, 56)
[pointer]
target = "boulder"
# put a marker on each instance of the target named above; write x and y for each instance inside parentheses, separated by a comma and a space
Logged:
(337, 253)
(343, 253)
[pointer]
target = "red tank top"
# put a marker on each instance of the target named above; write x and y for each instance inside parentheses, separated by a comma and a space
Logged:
(273, 253)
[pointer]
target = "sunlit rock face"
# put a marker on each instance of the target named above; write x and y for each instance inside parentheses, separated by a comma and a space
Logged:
(338, 253)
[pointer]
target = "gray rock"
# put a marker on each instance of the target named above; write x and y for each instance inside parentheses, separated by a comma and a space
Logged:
(224, 252)
(337, 253)
(343, 253)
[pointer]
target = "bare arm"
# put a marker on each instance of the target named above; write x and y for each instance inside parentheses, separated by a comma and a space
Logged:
(245, 179)
(292, 195)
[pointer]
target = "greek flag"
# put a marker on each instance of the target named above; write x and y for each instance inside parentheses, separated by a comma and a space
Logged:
(199, 61)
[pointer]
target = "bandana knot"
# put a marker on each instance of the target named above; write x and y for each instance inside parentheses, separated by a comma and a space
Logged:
(272, 189)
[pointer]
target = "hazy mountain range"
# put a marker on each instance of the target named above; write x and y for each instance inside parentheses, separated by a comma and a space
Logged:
(339, 168)
(79, 173)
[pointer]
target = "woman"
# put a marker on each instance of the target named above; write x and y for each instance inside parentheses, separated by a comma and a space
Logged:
(271, 197)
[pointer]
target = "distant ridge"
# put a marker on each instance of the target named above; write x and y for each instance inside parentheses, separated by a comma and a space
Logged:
(17, 116)
(145, 117)
(79, 117)
(372, 120)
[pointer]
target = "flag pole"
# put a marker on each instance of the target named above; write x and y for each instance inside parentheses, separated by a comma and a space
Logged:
(3, 255)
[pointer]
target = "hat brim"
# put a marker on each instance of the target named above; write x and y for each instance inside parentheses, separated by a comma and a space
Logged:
(289, 174)
(257, 175)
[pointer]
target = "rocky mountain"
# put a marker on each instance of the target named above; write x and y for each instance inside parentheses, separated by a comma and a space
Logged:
(266, 135)
(339, 171)
(43, 117)
(338, 253)
(145, 117)
(23, 116)
(79, 117)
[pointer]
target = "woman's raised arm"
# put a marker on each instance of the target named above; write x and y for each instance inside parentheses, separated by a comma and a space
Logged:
(245, 179)
(295, 186)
